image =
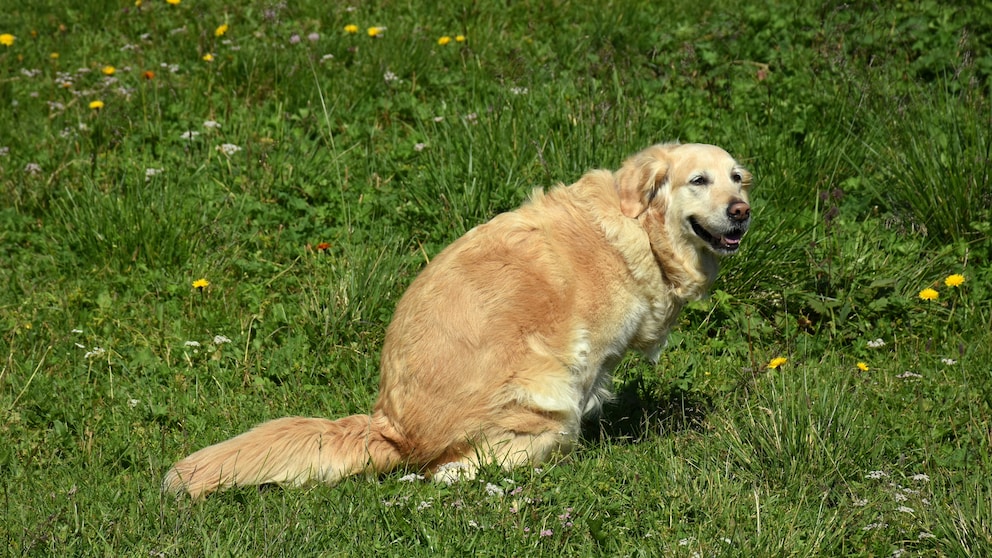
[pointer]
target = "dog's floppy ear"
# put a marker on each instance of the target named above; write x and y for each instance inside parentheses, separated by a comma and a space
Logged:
(639, 179)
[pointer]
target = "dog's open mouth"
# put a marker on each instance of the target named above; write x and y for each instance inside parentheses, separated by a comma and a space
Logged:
(726, 243)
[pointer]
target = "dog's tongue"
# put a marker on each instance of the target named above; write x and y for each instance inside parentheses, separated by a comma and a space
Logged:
(732, 241)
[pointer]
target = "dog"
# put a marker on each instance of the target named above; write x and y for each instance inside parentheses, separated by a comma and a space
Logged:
(507, 339)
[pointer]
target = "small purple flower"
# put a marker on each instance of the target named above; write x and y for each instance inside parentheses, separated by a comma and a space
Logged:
(547, 532)
(294, 40)
(313, 37)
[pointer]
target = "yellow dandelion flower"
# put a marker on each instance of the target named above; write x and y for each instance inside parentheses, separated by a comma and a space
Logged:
(862, 366)
(444, 40)
(137, 3)
(374, 31)
(6, 39)
(174, 2)
(96, 105)
(351, 28)
(208, 57)
(219, 32)
(460, 38)
(776, 362)
(54, 56)
(929, 294)
(954, 280)
(108, 70)
(201, 284)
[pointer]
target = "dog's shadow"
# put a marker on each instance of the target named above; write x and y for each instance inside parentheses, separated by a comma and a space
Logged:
(638, 410)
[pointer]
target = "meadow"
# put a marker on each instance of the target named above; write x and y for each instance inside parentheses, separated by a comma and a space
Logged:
(209, 209)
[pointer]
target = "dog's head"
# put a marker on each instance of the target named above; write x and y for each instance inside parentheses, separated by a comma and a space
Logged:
(694, 193)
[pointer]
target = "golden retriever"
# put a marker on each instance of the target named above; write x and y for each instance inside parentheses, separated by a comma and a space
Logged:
(508, 337)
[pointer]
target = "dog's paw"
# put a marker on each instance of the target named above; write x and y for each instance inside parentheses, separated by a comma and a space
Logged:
(453, 472)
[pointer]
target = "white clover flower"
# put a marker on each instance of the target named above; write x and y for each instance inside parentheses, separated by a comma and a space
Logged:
(149, 173)
(519, 90)
(189, 135)
(905, 509)
(412, 477)
(493, 490)
(390, 77)
(211, 124)
(191, 344)
(877, 343)
(132, 403)
(423, 505)
(228, 149)
(875, 475)
(419, 146)
(32, 168)
(220, 340)
(920, 477)
(907, 375)
(949, 361)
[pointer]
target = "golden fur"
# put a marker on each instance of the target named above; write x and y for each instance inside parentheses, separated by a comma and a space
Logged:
(507, 339)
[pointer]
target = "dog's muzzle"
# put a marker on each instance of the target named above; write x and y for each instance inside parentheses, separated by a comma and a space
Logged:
(728, 240)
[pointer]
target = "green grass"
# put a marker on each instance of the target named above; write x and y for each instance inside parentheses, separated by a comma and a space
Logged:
(867, 126)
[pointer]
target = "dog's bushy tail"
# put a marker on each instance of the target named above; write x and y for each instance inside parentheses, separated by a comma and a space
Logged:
(290, 451)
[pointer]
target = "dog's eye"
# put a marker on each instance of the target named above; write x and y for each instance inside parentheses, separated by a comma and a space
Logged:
(737, 177)
(700, 180)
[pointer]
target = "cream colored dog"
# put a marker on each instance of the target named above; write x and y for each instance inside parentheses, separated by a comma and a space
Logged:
(508, 338)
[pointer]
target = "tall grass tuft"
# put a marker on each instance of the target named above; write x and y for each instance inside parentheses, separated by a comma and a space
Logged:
(933, 152)
(158, 224)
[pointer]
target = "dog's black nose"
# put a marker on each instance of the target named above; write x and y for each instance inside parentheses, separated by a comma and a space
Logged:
(739, 211)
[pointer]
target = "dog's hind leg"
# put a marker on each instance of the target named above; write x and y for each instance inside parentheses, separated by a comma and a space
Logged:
(508, 452)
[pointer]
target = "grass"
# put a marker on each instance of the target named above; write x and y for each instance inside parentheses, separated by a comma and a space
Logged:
(356, 159)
